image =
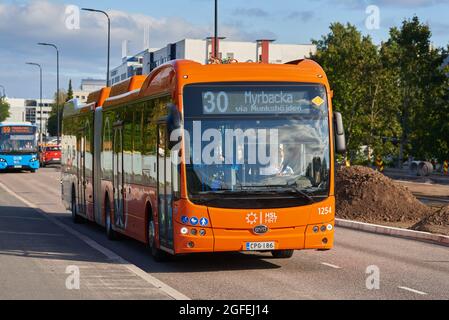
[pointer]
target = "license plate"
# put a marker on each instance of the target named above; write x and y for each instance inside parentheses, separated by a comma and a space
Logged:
(56, 159)
(259, 246)
(18, 167)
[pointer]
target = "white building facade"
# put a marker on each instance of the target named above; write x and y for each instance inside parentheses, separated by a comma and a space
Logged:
(202, 51)
(88, 86)
(131, 66)
(28, 110)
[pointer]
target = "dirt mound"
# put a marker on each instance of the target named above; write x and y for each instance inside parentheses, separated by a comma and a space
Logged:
(437, 222)
(366, 195)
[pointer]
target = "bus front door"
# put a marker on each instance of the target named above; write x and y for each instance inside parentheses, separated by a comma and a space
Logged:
(118, 179)
(165, 212)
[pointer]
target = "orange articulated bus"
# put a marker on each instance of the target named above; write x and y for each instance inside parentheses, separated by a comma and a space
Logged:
(208, 158)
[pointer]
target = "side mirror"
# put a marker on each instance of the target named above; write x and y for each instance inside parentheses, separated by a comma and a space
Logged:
(173, 124)
(339, 131)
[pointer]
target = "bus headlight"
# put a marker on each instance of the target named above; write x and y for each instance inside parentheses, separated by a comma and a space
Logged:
(2, 160)
(33, 160)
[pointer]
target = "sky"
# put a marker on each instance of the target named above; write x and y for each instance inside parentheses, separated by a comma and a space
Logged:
(83, 51)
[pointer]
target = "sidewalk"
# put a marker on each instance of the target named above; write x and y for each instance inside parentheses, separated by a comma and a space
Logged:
(37, 257)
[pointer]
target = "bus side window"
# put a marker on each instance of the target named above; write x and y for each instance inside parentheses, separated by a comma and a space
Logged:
(149, 144)
(137, 150)
(128, 145)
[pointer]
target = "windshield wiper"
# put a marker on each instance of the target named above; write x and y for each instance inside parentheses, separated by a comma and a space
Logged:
(282, 188)
(294, 187)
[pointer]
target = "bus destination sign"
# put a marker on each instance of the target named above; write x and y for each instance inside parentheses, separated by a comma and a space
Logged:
(17, 130)
(259, 102)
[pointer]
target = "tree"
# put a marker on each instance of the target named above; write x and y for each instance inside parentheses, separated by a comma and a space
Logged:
(52, 125)
(4, 109)
(69, 91)
(362, 88)
(422, 87)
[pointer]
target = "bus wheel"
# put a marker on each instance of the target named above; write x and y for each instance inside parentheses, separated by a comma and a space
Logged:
(33, 170)
(75, 217)
(282, 254)
(158, 254)
(110, 233)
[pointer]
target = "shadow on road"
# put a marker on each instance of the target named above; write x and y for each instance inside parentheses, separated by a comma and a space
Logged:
(25, 233)
(138, 254)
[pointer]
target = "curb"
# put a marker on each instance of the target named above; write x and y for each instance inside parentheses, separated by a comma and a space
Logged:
(392, 231)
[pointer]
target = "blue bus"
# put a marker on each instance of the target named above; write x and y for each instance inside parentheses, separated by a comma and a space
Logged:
(18, 146)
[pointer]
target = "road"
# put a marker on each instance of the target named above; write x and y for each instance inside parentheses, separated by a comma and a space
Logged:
(36, 247)
(432, 194)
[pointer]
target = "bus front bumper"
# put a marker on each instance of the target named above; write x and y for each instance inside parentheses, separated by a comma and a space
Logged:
(25, 165)
(227, 240)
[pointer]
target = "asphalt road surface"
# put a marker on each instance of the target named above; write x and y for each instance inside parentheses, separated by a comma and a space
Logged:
(39, 247)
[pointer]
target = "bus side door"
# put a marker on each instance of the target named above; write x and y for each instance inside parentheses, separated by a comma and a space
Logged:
(81, 171)
(164, 188)
(118, 176)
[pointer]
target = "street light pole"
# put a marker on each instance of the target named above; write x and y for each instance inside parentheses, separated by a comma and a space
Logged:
(109, 39)
(40, 122)
(216, 31)
(58, 130)
(4, 91)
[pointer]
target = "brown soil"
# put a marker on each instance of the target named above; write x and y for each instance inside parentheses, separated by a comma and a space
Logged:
(367, 195)
(437, 222)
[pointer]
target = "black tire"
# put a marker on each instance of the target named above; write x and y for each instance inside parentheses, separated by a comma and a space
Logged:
(282, 254)
(33, 170)
(110, 232)
(75, 217)
(157, 254)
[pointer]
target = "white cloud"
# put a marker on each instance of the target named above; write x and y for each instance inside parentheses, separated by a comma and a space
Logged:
(83, 51)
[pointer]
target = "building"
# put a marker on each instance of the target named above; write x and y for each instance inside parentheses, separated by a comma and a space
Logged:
(88, 86)
(131, 66)
(28, 110)
(202, 51)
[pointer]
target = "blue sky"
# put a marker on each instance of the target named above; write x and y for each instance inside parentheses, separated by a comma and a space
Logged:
(23, 23)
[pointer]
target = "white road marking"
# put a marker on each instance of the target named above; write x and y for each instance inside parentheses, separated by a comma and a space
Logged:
(413, 290)
(108, 253)
(32, 234)
(330, 265)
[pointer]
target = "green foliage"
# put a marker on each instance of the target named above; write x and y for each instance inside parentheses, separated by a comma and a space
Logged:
(69, 91)
(4, 109)
(393, 97)
(52, 124)
(424, 106)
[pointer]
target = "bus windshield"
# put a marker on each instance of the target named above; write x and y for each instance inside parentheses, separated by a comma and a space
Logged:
(257, 140)
(18, 139)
